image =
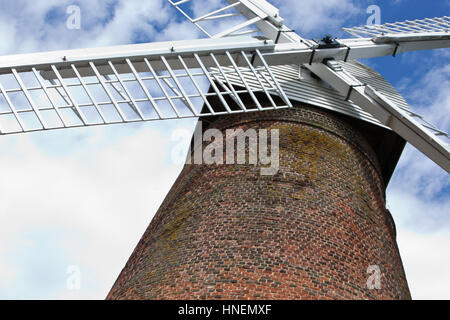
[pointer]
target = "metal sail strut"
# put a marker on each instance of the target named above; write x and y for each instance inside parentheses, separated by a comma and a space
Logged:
(405, 123)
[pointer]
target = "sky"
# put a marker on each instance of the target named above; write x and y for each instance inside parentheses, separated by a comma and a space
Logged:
(75, 202)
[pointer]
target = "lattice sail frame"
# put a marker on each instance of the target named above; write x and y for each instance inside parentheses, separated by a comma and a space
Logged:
(222, 13)
(242, 17)
(428, 25)
(145, 88)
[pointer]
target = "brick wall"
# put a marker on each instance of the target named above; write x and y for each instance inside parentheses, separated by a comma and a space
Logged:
(308, 232)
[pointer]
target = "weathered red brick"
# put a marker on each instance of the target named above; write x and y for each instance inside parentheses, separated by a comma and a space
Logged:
(309, 232)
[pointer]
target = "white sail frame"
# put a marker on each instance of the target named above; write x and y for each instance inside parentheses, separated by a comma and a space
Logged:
(133, 83)
(404, 123)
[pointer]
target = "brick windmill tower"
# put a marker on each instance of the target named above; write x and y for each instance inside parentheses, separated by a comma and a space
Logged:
(311, 223)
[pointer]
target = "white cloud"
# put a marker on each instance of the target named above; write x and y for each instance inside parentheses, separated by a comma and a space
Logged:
(426, 263)
(8, 36)
(308, 17)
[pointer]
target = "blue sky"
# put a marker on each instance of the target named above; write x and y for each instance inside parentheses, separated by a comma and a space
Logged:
(83, 197)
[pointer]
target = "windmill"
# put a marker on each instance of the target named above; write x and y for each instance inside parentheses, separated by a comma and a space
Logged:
(231, 74)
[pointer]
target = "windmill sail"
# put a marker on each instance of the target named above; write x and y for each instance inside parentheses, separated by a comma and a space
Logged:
(172, 80)
(415, 27)
(132, 83)
(369, 97)
(258, 17)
